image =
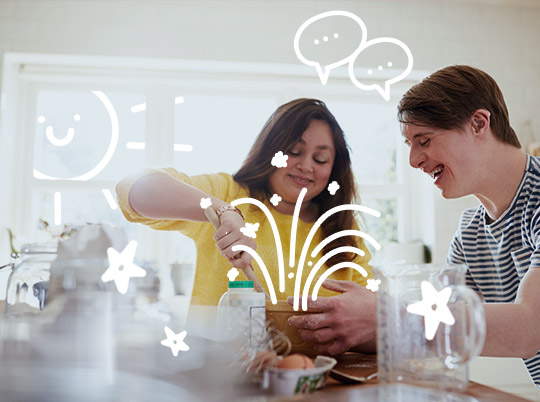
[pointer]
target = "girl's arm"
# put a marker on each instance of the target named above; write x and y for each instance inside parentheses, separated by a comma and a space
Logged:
(160, 196)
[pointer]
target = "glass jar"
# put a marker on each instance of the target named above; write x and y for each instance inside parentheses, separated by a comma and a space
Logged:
(241, 313)
(28, 282)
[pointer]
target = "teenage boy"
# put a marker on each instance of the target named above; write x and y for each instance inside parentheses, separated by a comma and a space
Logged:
(457, 127)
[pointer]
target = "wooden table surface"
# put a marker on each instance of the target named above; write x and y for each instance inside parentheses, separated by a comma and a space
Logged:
(357, 366)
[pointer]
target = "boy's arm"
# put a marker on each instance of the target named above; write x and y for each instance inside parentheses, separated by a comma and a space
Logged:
(513, 329)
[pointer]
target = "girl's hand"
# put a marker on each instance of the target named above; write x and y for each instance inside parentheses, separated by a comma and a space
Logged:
(229, 235)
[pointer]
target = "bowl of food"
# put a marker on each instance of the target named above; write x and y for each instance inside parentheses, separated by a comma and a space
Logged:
(277, 316)
(297, 374)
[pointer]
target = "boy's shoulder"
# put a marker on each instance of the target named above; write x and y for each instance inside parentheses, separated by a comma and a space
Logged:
(471, 217)
(530, 193)
(533, 170)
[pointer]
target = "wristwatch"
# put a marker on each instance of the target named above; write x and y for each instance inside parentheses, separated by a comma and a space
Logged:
(226, 208)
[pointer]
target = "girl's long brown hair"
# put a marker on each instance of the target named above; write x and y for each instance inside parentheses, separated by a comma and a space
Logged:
(282, 132)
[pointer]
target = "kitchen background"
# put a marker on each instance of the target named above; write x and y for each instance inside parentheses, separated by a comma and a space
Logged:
(204, 76)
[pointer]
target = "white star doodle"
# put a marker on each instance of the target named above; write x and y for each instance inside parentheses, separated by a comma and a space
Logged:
(433, 307)
(121, 267)
(232, 274)
(205, 203)
(275, 200)
(279, 160)
(373, 284)
(250, 230)
(333, 187)
(175, 341)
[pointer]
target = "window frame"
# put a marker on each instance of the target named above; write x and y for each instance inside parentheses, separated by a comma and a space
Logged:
(158, 79)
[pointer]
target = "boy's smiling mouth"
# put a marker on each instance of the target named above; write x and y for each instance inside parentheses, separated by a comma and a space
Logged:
(436, 172)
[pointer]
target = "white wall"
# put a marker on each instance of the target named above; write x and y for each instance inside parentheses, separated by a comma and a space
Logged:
(501, 37)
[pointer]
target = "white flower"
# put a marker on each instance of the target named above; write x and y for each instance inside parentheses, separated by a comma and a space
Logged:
(205, 203)
(250, 229)
(433, 316)
(232, 274)
(333, 187)
(373, 284)
(121, 267)
(275, 200)
(175, 341)
(279, 160)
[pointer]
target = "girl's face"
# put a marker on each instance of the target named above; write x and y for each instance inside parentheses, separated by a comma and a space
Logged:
(309, 165)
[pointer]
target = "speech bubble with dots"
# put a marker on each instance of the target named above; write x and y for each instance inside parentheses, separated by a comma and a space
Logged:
(329, 40)
(383, 62)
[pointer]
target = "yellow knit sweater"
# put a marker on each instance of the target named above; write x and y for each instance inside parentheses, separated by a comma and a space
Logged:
(211, 273)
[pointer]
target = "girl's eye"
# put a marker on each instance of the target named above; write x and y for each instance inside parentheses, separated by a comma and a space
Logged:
(320, 161)
(425, 142)
(294, 153)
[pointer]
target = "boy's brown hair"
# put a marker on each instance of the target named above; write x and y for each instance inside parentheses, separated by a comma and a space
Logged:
(449, 97)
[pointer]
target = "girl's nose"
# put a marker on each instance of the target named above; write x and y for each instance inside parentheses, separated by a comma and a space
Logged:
(305, 165)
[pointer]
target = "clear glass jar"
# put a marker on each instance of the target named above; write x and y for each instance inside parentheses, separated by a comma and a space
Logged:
(28, 282)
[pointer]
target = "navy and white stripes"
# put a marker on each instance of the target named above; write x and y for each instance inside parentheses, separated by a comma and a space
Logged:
(499, 254)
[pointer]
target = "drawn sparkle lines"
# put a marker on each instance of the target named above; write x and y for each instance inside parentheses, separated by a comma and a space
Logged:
(324, 258)
(331, 238)
(318, 223)
(257, 257)
(294, 225)
(264, 208)
(329, 272)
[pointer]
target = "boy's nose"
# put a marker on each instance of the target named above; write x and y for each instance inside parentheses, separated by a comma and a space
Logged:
(416, 158)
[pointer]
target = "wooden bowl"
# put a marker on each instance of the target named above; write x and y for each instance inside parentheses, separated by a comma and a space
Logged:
(277, 316)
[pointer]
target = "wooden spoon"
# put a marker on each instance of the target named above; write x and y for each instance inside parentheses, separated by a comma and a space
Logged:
(250, 274)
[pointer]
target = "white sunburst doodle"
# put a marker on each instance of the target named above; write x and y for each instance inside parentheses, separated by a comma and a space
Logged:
(175, 341)
(305, 248)
(434, 308)
(121, 267)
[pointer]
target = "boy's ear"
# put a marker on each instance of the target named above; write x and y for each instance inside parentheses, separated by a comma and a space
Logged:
(480, 120)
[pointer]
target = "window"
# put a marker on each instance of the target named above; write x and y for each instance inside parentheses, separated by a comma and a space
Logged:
(73, 126)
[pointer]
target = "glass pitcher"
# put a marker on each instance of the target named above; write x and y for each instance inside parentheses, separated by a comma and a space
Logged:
(409, 348)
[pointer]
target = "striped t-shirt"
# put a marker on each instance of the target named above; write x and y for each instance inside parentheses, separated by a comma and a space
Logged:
(500, 254)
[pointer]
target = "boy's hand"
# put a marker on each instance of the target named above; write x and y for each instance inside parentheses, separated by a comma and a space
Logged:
(348, 320)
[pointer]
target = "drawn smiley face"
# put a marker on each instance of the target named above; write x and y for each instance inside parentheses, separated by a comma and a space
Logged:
(76, 135)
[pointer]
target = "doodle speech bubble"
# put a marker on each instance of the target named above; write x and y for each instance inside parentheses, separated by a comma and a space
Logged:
(329, 40)
(383, 60)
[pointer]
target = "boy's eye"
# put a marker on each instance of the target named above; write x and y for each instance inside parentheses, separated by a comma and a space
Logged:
(424, 142)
